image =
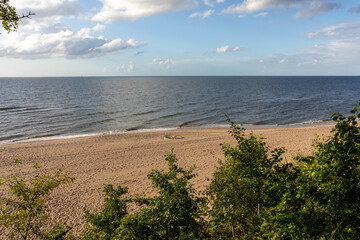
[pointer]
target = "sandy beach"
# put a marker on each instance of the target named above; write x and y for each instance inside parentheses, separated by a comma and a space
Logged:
(126, 159)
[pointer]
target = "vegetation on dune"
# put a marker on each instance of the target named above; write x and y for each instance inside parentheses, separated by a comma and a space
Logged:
(253, 194)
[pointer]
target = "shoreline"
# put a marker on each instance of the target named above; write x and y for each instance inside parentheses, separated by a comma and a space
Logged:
(47, 137)
(126, 159)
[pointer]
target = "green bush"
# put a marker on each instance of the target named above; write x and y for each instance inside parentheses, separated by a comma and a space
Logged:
(324, 202)
(245, 186)
(23, 214)
(103, 224)
(175, 213)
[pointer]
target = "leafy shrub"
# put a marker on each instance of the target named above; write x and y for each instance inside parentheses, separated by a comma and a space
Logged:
(23, 214)
(245, 186)
(104, 223)
(175, 213)
(324, 202)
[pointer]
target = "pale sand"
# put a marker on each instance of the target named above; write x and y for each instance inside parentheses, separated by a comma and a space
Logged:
(126, 159)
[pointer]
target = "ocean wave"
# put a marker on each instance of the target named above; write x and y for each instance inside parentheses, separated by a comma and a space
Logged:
(9, 108)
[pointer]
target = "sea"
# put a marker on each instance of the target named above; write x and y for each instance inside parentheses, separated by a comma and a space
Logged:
(67, 107)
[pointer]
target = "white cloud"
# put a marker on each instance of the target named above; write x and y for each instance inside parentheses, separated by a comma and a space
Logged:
(227, 48)
(161, 61)
(344, 45)
(342, 30)
(57, 40)
(130, 67)
(211, 3)
(202, 15)
(341, 52)
(309, 8)
(99, 27)
(115, 10)
(44, 36)
(88, 31)
(115, 45)
(262, 14)
(208, 3)
(47, 8)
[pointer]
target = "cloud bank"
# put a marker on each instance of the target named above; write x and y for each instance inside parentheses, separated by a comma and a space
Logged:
(339, 31)
(57, 40)
(342, 50)
(45, 36)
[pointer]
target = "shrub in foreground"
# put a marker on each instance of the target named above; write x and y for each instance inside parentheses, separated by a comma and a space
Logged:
(324, 202)
(23, 214)
(245, 186)
(175, 213)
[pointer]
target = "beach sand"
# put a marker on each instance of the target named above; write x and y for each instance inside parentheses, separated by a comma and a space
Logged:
(126, 159)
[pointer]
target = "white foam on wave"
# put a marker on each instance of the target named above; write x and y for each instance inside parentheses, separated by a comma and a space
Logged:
(311, 122)
(38, 139)
(62, 137)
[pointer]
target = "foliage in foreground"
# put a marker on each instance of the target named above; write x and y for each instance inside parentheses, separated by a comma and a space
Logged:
(253, 195)
(324, 202)
(245, 186)
(8, 16)
(23, 214)
(175, 213)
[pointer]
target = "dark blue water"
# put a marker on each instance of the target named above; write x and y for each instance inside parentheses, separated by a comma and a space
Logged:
(36, 107)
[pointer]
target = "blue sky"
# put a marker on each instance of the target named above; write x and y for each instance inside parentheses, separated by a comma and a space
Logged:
(183, 37)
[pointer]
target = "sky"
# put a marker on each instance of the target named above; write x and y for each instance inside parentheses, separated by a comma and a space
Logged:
(183, 38)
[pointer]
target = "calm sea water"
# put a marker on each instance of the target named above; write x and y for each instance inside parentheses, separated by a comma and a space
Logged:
(57, 107)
